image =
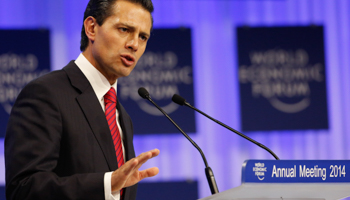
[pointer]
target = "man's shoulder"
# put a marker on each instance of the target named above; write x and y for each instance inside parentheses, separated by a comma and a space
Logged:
(54, 84)
(55, 80)
(55, 77)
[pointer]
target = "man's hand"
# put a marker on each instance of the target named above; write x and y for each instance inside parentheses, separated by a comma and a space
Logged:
(129, 174)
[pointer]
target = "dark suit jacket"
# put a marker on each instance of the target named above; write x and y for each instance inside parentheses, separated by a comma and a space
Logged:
(58, 144)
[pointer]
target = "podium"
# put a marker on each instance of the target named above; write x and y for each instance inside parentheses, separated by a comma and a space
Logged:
(291, 180)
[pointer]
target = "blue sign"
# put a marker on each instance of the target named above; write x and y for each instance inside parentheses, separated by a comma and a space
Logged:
(164, 69)
(24, 56)
(282, 78)
(296, 171)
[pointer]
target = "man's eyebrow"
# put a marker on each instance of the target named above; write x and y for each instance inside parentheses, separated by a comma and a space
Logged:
(133, 28)
(146, 34)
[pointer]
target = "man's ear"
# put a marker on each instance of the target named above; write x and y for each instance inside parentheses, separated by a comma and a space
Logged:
(90, 25)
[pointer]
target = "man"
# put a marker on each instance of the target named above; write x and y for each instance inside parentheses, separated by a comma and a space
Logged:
(62, 142)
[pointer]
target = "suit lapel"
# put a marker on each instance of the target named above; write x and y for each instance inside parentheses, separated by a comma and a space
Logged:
(93, 113)
(125, 123)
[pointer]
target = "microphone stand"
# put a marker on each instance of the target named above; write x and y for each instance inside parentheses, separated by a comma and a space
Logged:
(208, 171)
(181, 101)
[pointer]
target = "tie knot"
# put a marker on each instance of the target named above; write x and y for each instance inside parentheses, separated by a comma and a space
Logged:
(111, 96)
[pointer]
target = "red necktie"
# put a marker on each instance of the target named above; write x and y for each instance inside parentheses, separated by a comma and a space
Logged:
(110, 104)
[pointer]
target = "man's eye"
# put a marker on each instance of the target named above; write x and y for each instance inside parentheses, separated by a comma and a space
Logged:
(143, 38)
(123, 29)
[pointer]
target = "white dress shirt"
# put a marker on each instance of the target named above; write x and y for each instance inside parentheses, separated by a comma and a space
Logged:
(101, 86)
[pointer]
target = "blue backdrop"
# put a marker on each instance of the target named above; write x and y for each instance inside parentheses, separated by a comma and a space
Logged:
(215, 65)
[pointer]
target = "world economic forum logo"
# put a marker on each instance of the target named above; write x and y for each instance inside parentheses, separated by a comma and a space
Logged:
(160, 74)
(259, 170)
(282, 77)
(15, 72)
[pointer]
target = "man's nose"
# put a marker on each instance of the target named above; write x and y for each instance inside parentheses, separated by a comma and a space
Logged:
(133, 42)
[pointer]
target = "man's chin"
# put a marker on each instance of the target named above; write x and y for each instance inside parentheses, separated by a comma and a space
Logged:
(124, 74)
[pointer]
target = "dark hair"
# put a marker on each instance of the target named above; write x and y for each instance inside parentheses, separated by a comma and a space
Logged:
(102, 9)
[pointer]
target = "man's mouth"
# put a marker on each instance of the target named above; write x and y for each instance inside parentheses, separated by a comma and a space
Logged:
(128, 59)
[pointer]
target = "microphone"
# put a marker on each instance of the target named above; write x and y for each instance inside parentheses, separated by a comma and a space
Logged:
(208, 172)
(182, 101)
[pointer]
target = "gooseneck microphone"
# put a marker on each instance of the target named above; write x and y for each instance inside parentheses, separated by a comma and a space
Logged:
(181, 101)
(209, 173)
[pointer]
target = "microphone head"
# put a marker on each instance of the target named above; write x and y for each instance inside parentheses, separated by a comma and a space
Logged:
(178, 99)
(143, 93)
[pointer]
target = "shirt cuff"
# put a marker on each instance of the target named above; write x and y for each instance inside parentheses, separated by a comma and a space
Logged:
(109, 195)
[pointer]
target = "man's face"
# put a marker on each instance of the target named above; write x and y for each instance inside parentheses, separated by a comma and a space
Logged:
(121, 40)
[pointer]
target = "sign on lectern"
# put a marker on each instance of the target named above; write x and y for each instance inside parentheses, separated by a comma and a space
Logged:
(291, 180)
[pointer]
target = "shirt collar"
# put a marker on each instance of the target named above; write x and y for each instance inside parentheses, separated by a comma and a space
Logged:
(98, 81)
